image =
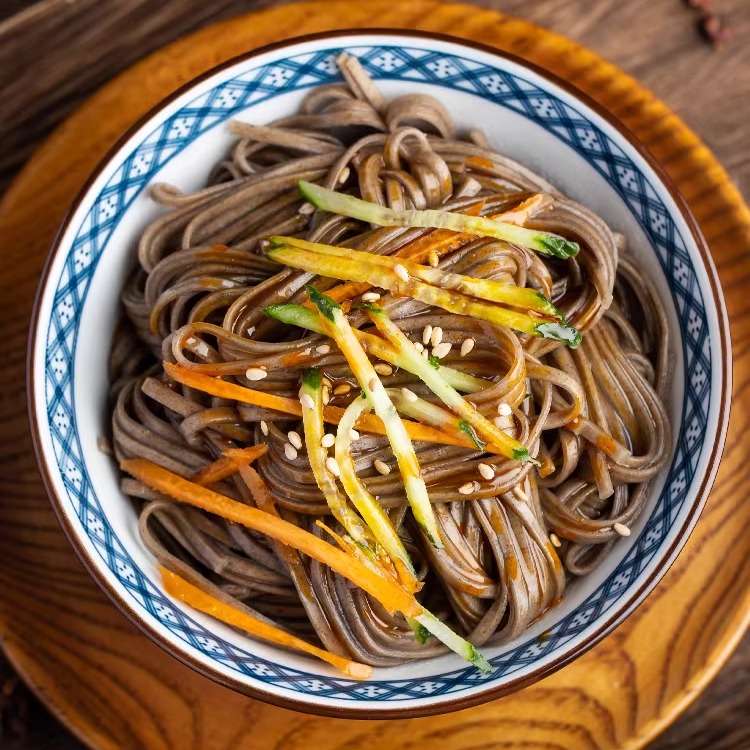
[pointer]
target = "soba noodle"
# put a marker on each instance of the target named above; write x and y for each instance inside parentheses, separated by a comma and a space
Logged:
(593, 415)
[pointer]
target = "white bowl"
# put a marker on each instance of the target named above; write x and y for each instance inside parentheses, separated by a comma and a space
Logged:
(527, 114)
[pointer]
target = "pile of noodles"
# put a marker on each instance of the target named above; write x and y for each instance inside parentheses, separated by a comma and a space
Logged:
(594, 415)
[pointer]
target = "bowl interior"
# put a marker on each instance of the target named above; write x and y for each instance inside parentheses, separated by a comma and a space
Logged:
(525, 116)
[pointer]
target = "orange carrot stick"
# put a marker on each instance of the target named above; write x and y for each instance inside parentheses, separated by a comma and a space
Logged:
(181, 589)
(389, 594)
(332, 414)
(227, 465)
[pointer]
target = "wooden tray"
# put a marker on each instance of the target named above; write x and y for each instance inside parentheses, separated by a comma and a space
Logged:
(115, 689)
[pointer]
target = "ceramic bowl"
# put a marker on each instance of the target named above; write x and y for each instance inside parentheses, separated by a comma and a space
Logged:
(526, 113)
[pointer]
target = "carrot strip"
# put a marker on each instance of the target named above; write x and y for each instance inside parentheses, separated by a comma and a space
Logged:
(390, 595)
(227, 465)
(332, 414)
(191, 595)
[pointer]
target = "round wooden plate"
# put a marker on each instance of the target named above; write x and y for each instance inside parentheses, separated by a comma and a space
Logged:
(115, 689)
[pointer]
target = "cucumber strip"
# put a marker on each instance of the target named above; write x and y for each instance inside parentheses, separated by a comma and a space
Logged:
(338, 328)
(312, 420)
(486, 430)
(304, 317)
(374, 516)
(347, 205)
(454, 642)
(452, 301)
(485, 289)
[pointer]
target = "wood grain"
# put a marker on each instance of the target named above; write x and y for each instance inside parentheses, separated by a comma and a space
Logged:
(115, 689)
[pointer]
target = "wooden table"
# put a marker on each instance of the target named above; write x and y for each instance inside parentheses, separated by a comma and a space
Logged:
(55, 53)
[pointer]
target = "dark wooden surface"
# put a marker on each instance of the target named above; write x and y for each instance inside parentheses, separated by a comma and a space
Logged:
(55, 53)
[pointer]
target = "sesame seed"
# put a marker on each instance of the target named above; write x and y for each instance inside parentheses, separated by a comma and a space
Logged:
(621, 529)
(477, 486)
(344, 176)
(264, 427)
(255, 373)
(306, 208)
(306, 352)
(372, 384)
(383, 369)
(426, 334)
(326, 382)
(326, 395)
(433, 259)
(502, 423)
(381, 466)
(425, 353)
(521, 495)
(353, 434)
(555, 540)
(409, 395)
(251, 330)
(486, 471)
(307, 401)
(370, 297)
(294, 439)
(442, 350)
(191, 341)
(328, 440)
(418, 346)
(323, 349)
(290, 451)
(401, 272)
(437, 336)
(466, 489)
(332, 466)
(341, 389)
(466, 346)
(504, 410)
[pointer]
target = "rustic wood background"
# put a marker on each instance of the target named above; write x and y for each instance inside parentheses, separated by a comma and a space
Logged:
(55, 53)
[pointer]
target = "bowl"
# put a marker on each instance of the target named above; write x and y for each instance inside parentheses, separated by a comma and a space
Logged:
(526, 113)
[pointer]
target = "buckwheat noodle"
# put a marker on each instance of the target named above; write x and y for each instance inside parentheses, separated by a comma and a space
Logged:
(594, 415)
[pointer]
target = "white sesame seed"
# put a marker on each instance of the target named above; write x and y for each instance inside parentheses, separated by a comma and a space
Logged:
(401, 272)
(437, 336)
(466, 346)
(353, 434)
(328, 440)
(555, 540)
(621, 529)
(327, 382)
(326, 395)
(306, 208)
(372, 384)
(433, 259)
(201, 349)
(294, 438)
(383, 369)
(486, 471)
(426, 334)
(341, 389)
(442, 350)
(418, 346)
(381, 466)
(333, 466)
(323, 349)
(502, 423)
(264, 427)
(255, 373)
(306, 352)
(425, 353)
(466, 489)
(344, 176)
(290, 451)
(307, 401)
(370, 297)
(521, 495)
(409, 395)
(477, 486)
(504, 409)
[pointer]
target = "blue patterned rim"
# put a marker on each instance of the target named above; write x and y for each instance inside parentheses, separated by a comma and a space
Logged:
(226, 99)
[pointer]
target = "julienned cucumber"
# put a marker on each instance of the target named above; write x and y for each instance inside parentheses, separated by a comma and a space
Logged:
(356, 208)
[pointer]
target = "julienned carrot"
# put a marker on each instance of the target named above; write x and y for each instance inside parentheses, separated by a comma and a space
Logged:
(227, 465)
(332, 414)
(191, 595)
(388, 593)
